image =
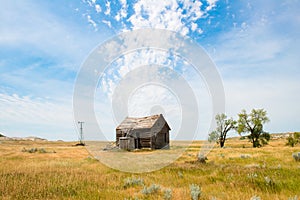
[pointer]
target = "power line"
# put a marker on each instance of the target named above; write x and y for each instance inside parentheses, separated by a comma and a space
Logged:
(81, 133)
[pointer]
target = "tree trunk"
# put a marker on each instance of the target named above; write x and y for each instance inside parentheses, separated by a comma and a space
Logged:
(222, 143)
(253, 142)
(256, 143)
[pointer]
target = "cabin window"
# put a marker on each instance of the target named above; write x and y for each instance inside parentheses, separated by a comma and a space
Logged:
(165, 137)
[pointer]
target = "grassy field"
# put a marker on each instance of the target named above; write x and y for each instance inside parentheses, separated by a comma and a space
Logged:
(60, 170)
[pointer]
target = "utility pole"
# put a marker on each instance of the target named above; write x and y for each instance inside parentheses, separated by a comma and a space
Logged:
(81, 134)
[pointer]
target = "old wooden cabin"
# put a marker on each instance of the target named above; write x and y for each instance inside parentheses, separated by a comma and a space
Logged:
(143, 132)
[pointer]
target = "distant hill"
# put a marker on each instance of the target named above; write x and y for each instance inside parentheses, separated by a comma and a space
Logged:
(30, 138)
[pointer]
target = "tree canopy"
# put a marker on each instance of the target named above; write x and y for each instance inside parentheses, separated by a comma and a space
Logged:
(253, 123)
(224, 125)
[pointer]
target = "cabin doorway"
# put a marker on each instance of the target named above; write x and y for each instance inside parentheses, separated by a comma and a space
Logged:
(138, 141)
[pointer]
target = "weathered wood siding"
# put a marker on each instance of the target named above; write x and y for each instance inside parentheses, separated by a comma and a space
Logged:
(142, 137)
(160, 130)
(119, 133)
(154, 136)
(126, 143)
(162, 138)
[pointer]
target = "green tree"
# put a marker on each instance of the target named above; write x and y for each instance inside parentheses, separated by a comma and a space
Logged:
(224, 125)
(252, 123)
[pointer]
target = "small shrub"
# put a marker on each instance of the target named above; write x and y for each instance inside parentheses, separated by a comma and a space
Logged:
(279, 166)
(293, 198)
(180, 174)
(291, 141)
(42, 150)
(252, 175)
(269, 181)
(135, 198)
(296, 156)
(35, 150)
(222, 155)
(243, 138)
(129, 182)
(202, 158)
(151, 190)
(245, 156)
(167, 194)
(255, 198)
(195, 191)
(32, 150)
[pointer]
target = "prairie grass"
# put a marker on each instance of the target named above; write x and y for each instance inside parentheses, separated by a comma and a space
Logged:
(269, 172)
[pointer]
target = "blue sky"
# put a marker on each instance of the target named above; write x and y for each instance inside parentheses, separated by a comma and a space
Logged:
(254, 44)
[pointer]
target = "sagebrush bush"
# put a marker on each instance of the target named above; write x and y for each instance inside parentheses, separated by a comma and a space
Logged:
(293, 198)
(252, 175)
(129, 182)
(296, 156)
(42, 150)
(269, 181)
(34, 150)
(195, 191)
(245, 156)
(167, 194)
(180, 174)
(151, 189)
(255, 198)
(202, 158)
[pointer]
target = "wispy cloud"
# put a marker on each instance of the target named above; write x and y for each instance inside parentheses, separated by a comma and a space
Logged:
(28, 25)
(180, 16)
(24, 116)
(41, 51)
(107, 5)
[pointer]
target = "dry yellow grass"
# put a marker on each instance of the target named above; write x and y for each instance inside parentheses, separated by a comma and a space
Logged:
(71, 173)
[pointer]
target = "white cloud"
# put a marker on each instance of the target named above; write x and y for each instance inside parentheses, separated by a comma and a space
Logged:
(92, 22)
(108, 23)
(193, 9)
(211, 4)
(108, 9)
(249, 46)
(180, 16)
(129, 62)
(157, 14)
(122, 14)
(170, 15)
(98, 8)
(28, 25)
(22, 116)
(194, 26)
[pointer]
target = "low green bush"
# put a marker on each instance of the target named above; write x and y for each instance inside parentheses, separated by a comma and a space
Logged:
(293, 139)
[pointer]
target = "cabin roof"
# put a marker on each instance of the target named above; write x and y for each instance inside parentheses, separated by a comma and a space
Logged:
(139, 122)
